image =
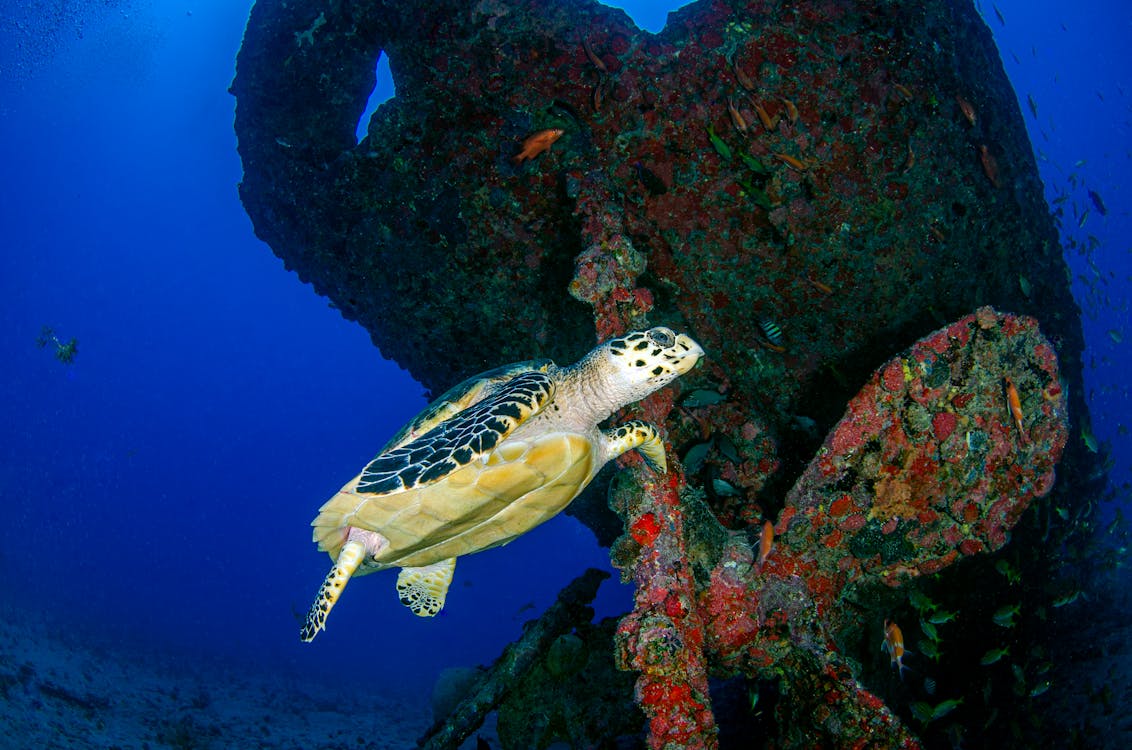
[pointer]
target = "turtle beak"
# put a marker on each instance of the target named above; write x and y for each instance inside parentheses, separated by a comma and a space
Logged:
(685, 354)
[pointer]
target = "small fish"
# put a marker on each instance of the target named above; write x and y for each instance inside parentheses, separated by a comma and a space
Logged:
(922, 712)
(929, 686)
(921, 601)
(994, 656)
(761, 199)
(990, 164)
(1066, 599)
(998, 13)
(717, 143)
(597, 98)
(536, 143)
(1004, 615)
(1089, 439)
(894, 644)
(1024, 285)
(1098, 202)
(770, 123)
(929, 630)
(753, 164)
(967, 109)
(596, 61)
(772, 333)
(1015, 405)
(736, 116)
(1006, 569)
(1116, 336)
(702, 397)
(743, 79)
(695, 457)
(931, 650)
(766, 541)
(653, 184)
(1033, 105)
(1040, 688)
(797, 164)
(946, 707)
(727, 447)
(723, 488)
(941, 617)
(820, 286)
(903, 90)
(791, 111)
(1019, 679)
(1084, 217)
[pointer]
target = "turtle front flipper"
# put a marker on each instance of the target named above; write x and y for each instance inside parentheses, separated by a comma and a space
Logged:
(424, 589)
(351, 556)
(642, 436)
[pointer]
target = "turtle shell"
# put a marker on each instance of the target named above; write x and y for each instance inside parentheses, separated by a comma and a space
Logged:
(460, 397)
(462, 483)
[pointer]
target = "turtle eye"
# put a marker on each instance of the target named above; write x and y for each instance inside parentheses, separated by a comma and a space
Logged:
(662, 337)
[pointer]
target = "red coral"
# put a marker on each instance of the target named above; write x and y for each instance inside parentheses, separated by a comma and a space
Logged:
(893, 377)
(645, 530)
(943, 424)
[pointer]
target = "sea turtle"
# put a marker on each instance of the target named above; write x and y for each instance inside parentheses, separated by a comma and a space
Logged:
(488, 461)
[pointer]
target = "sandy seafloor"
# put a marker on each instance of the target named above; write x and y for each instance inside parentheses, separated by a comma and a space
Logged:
(58, 691)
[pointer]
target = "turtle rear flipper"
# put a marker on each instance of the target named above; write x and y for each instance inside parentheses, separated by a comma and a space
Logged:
(424, 589)
(351, 556)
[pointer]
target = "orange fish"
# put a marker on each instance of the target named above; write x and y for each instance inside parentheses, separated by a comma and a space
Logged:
(736, 116)
(788, 159)
(894, 645)
(596, 61)
(823, 288)
(770, 123)
(990, 166)
(536, 143)
(1015, 405)
(766, 541)
(791, 111)
(967, 109)
(743, 79)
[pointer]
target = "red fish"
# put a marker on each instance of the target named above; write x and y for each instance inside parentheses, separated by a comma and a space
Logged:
(596, 61)
(967, 109)
(740, 76)
(536, 143)
(1015, 405)
(766, 541)
(894, 645)
(736, 116)
(990, 165)
(791, 111)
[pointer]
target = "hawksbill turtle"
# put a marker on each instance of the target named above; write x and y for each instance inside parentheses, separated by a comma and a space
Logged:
(488, 461)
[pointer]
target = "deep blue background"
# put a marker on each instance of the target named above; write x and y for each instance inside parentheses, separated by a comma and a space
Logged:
(157, 492)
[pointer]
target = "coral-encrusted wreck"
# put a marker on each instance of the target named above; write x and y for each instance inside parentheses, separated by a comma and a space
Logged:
(806, 188)
(927, 466)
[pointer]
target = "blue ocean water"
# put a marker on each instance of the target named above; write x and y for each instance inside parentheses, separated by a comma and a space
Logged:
(156, 492)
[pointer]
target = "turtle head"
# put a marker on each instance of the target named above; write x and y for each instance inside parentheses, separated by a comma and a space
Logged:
(644, 361)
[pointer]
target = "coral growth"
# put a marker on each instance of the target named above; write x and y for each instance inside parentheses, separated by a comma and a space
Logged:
(890, 496)
(799, 186)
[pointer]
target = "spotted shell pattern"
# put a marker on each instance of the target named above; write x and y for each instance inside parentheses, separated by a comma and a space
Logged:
(458, 441)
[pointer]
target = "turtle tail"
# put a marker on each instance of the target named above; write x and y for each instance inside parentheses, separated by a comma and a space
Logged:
(351, 556)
